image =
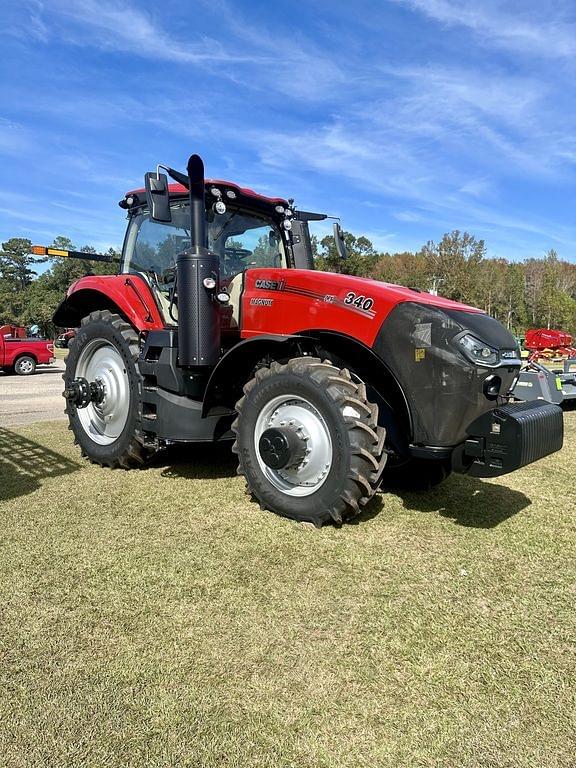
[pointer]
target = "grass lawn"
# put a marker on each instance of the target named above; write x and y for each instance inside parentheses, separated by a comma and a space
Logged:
(160, 618)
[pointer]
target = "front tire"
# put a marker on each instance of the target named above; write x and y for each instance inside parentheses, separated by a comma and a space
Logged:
(109, 433)
(25, 366)
(335, 454)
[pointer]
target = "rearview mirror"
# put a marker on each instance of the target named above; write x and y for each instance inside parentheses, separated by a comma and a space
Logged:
(158, 196)
(339, 241)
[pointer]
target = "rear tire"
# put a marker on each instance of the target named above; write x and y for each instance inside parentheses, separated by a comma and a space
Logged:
(339, 445)
(109, 434)
(25, 366)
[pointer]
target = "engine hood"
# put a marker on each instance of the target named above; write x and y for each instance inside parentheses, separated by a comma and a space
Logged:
(390, 293)
(453, 365)
(297, 300)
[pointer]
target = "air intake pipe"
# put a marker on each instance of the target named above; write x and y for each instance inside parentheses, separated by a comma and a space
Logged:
(198, 276)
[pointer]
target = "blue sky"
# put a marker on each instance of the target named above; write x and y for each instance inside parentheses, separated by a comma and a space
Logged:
(407, 118)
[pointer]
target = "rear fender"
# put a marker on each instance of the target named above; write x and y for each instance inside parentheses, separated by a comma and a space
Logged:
(129, 296)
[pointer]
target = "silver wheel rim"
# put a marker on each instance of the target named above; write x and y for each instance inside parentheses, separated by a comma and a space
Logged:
(26, 366)
(103, 422)
(297, 413)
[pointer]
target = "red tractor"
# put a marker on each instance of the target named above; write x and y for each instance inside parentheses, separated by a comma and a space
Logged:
(65, 338)
(218, 328)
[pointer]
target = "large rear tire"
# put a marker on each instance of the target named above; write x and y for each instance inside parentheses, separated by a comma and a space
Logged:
(105, 349)
(326, 432)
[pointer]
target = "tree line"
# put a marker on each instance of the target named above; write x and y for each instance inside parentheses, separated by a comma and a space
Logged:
(534, 293)
(521, 294)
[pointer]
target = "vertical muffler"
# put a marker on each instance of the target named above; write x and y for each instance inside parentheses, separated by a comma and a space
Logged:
(198, 280)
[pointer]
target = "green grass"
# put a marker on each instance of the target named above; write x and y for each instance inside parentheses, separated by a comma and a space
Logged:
(160, 618)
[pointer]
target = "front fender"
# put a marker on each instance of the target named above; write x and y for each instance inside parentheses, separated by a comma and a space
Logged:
(225, 384)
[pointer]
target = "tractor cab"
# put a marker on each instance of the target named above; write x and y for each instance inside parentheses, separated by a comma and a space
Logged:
(244, 230)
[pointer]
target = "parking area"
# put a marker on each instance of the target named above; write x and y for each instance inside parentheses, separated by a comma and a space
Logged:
(26, 399)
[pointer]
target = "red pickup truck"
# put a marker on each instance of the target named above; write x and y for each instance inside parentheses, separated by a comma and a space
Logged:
(21, 355)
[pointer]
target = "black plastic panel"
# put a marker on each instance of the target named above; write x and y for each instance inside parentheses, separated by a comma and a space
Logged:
(159, 359)
(179, 418)
(444, 390)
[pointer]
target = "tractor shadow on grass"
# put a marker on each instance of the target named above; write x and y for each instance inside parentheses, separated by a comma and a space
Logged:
(24, 464)
(468, 501)
(376, 505)
(197, 461)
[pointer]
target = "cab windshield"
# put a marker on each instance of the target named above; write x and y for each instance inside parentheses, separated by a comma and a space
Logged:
(241, 239)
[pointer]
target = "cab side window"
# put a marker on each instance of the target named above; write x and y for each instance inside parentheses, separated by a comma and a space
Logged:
(157, 246)
(245, 242)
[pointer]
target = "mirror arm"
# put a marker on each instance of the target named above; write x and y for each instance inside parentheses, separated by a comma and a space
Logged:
(181, 178)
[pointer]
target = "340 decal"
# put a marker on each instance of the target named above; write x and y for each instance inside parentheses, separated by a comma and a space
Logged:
(361, 302)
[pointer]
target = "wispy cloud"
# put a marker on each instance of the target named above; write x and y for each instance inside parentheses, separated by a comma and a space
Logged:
(403, 125)
(532, 28)
(440, 132)
(36, 27)
(295, 66)
(121, 26)
(14, 138)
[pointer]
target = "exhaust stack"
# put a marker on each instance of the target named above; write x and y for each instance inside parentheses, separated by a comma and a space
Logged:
(198, 280)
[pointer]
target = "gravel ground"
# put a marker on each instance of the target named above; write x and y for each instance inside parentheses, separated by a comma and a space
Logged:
(25, 399)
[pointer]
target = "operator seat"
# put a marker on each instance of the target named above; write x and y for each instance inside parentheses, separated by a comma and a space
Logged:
(235, 287)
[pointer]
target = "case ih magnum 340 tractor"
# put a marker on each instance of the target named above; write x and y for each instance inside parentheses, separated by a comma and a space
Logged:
(218, 328)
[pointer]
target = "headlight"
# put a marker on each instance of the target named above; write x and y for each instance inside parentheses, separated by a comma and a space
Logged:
(477, 351)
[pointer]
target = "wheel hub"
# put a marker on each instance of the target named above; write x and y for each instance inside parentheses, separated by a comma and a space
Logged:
(82, 392)
(101, 391)
(282, 448)
(26, 366)
(293, 445)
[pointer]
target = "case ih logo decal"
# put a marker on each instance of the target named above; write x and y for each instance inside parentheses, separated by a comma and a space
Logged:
(270, 285)
(352, 301)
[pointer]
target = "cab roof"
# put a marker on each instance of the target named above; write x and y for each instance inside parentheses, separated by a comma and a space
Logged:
(177, 190)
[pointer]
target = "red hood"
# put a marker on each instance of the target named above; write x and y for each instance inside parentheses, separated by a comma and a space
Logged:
(282, 301)
(394, 293)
